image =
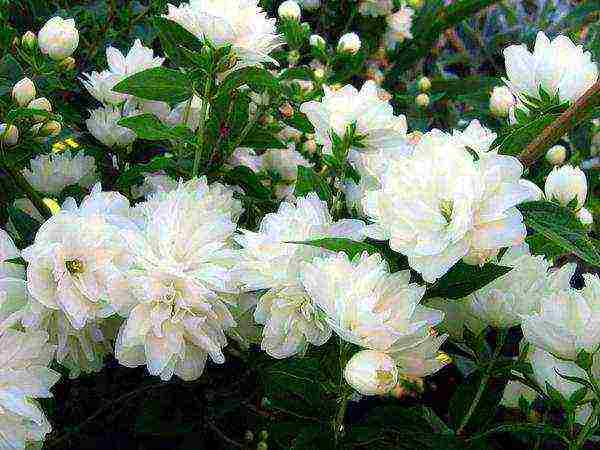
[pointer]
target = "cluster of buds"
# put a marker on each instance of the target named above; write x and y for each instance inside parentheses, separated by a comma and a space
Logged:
(567, 185)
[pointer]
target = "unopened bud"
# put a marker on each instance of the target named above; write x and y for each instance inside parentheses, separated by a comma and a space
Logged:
(263, 435)
(67, 64)
(422, 100)
(585, 216)
(317, 41)
(556, 155)
(319, 74)
(349, 43)
(262, 446)
(293, 57)
(29, 40)
(9, 135)
(565, 184)
(51, 128)
(289, 10)
(310, 146)
(371, 372)
(501, 101)
(24, 91)
(424, 84)
(41, 103)
(286, 110)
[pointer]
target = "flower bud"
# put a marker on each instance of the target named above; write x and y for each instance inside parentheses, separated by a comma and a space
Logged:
(29, 40)
(262, 446)
(9, 135)
(58, 38)
(424, 84)
(317, 41)
(371, 372)
(289, 10)
(286, 110)
(422, 100)
(293, 57)
(585, 216)
(501, 101)
(67, 64)
(565, 184)
(319, 74)
(349, 43)
(51, 128)
(310, 146)
(23, 92)
(40, 103)
(556, 155)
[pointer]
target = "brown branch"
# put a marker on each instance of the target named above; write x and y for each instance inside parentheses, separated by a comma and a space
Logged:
(565, 122)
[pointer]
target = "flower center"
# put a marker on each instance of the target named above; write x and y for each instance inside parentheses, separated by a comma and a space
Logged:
(74, 266)
(446, 208)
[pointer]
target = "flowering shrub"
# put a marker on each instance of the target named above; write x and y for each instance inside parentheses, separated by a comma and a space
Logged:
(316, 224)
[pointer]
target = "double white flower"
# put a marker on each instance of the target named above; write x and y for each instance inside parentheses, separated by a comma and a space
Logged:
(443, 203)
(241, 23)
(174, 293)
(270, 261)
(557, 66)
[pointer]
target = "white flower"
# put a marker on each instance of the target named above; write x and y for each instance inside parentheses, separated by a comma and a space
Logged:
(349, 43)
(375, 8)
(399, 27)
(565, 184)
(422, 100)
(503, 302)
(24, 91)
(154, 183)
(556, 155)
(74, 254)
(243, 156)
(241, 23)
(79, 350)
(284, 161)
(103, 125)
(317, 41)
(52, 173)
(186, 113)
(440, 204)
(138, 59)
(289, 10)
(367, 306)
(269, 261)
(568, 321)
(24, 376)
(9, 135)
(551, 67)
(58, 38)
(374, 118)
(371, 372)
(174, 293)
(585, 216)
(501, 101)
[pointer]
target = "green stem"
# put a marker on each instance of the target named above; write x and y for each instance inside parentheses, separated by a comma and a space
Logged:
(31, 193)
(484, 381)
(200, 132)
(338, 422)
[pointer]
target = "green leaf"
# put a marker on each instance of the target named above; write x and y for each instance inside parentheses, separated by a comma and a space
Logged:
(461, 402)
(25, 225)
(149, 127)
(348, 246)
(159, 84)
(259, 138)
(309, 181)
(559, 225)
(300, 122)
(176, 41)
(532, 430)
(255, 78)
(464, 279)
(249, 181)
(27, 113)
(135, 174)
